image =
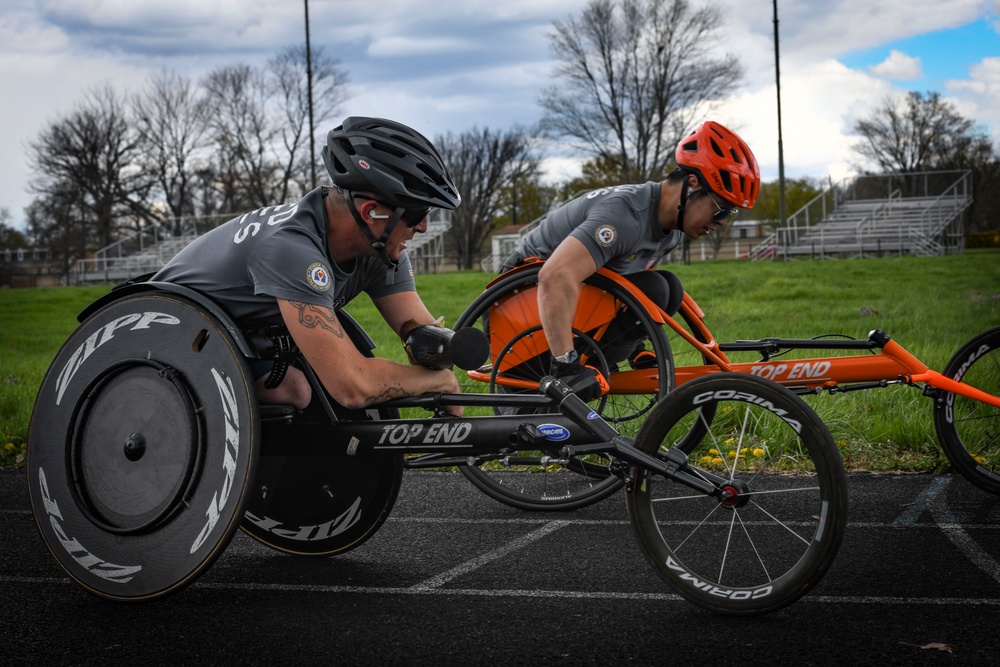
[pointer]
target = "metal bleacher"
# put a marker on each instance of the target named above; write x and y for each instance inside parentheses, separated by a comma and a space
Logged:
(148, 250)
(918, 214)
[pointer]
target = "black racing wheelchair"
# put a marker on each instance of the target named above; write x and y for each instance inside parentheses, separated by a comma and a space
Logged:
(148, 450)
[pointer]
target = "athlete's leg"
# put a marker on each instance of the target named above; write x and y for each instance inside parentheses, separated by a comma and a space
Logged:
(293, 389)
(624, 337)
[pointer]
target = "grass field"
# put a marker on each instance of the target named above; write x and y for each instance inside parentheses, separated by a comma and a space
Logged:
(930, 305)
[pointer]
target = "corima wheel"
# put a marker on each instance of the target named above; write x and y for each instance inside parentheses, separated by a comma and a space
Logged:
(142, 443)
(777, 519)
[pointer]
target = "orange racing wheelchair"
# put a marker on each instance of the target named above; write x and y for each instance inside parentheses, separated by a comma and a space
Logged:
(965, 395)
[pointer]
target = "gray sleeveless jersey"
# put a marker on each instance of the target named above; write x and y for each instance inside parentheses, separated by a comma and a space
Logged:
(618, 225)
(278, 252)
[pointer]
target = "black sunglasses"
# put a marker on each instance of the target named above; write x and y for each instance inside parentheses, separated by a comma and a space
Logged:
(411, 217)
(414, 216)
(722, 214)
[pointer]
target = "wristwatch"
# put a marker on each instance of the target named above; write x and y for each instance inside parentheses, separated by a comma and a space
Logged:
(570, 357)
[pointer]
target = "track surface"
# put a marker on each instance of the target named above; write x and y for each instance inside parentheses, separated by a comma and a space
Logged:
(455, 578)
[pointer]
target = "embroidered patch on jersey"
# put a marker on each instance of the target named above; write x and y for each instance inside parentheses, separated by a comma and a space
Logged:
(605, 235)
(318, 276)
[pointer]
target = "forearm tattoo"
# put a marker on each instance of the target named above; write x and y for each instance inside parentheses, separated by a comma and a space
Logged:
(312, 317)
(386, 394)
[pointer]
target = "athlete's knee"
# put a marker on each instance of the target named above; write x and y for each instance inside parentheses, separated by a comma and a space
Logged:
(662, 287)
(675, 292)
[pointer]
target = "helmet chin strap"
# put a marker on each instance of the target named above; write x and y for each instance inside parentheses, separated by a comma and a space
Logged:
(685, 191)
(378, 244)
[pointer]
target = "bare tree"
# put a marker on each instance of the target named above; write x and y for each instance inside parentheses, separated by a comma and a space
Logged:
(919, 133)
(915, 133)
(289, 76)
(10, 237)
(523, 199)
(482, 162)
(635, 75)
(173, 122)
(94, 152)
(244, 135)
(57, 222)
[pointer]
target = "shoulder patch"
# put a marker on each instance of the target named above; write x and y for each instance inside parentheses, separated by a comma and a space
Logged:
(318, 276)
(605, 235)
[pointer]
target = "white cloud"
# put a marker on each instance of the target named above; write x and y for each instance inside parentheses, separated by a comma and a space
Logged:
(416, 46)
(898, 66)
(451, 64)
(819, 106)
(978, 96)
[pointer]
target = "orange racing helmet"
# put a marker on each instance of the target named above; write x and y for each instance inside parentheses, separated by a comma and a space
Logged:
(723, 162)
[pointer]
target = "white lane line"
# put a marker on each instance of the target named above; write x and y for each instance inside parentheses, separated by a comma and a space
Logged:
(474, 564)
(923, 501)
(875, 525)
(971, 549)
(537, 594)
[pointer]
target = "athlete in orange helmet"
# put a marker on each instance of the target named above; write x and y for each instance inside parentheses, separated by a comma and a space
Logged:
(628, 229)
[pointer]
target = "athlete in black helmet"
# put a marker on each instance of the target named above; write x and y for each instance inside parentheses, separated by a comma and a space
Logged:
(393, 164)
(302, 262)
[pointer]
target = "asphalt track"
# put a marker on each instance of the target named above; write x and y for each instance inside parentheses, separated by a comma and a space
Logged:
(455, 578)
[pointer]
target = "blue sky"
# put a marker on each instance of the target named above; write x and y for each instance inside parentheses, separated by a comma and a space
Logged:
(450, 65)
(944, 54)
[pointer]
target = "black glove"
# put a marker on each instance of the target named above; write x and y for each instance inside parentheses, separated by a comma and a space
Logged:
(438, 347)
(586, 381)
(427, 344)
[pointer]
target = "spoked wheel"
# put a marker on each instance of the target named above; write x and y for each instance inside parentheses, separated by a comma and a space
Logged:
(969, 430)
(775, 526)
(508, 313)
(541, 479)
(687, 355)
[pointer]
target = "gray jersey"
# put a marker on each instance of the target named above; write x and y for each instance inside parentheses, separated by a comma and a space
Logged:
(619, 226)
(278, 252)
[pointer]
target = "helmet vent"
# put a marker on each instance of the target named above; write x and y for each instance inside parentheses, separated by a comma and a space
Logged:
(716, 148)
(388, 148)
(347, 147)
(727, 180)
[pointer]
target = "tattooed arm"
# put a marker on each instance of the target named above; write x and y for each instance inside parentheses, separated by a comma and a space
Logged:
(353, 380)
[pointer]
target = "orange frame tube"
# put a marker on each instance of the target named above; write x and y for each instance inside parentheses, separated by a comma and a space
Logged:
(894, 363)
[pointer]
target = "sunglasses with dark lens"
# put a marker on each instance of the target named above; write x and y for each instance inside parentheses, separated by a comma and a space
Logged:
(723, 214)
(414, 216)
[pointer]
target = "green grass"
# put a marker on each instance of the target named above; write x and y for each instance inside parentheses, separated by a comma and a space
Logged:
(930, 305)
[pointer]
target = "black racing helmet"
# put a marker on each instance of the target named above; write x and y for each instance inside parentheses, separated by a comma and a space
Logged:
(390, 160)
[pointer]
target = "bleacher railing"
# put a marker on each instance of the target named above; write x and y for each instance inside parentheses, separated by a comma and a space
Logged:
(947, 194)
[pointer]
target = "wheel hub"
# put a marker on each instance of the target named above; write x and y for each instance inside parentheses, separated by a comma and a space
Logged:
(734, 494)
